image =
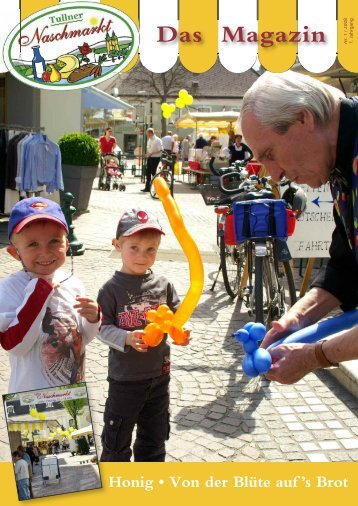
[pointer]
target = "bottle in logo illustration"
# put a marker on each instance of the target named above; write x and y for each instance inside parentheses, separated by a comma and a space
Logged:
(38, 64)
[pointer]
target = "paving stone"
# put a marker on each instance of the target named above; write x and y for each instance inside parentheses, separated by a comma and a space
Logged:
(251, 452)
(350, 444)
(317, 457)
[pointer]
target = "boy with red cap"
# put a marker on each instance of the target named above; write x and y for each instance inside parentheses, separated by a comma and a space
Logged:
(138, 375)
(45, 318)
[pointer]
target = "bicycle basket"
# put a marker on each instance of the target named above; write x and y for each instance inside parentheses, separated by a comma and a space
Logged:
(260, 218)
(211, 194)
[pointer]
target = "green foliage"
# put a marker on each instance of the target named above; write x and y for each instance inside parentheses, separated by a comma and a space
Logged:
(79, 149)
(83, 446)
(75, 408)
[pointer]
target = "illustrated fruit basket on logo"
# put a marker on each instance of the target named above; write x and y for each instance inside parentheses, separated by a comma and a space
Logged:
(71, 46)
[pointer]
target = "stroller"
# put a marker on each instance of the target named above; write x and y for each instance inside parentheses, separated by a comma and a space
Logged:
(111, 174)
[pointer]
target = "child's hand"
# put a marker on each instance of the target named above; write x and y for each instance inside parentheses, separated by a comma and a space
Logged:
(187, 339)
(135, 340)
(87, 308)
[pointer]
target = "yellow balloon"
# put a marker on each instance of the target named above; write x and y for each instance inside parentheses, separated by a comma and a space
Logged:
(164, 106)
(182, 94)
(189, 100)
(42, 416)
(167, 114)
(171, 107)
(59, 430)
(71, 429)
(33, 413)
(180, 103)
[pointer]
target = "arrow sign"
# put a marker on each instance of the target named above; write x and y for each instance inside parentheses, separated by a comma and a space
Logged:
(318, 202)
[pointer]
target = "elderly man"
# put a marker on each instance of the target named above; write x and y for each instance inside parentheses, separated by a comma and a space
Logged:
(307, 131)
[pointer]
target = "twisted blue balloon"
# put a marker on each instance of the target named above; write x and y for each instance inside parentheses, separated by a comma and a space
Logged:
(258, 360)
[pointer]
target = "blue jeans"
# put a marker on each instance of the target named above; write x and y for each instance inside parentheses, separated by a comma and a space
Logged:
(23, 487)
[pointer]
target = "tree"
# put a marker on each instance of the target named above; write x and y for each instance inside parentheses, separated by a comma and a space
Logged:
(75, 408)
(164, 85)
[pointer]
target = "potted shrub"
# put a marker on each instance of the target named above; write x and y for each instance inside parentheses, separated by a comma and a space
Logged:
(80, 156)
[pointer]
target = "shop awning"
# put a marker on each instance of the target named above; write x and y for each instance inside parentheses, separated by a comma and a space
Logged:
(93, 98)
(20, 427)
(208, 120)
(85, 431)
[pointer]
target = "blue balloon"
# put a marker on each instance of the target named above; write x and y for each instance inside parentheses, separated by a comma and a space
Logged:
(262, 360)
(248, 326)
(248, 367)
(321, 330)
(250, 346)
(242, 335)
(257, 331)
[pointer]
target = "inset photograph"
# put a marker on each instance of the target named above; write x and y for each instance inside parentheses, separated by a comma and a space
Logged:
(51, 441)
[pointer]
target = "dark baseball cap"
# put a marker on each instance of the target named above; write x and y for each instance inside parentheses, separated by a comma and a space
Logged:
(136, 220)
(35, 208)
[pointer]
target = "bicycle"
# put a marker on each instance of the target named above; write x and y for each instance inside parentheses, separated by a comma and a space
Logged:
(166, 172)
(263, 260)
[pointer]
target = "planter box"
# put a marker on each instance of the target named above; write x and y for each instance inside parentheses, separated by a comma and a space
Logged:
(78, 180)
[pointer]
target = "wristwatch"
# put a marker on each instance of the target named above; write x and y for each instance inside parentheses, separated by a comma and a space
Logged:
(321, 357)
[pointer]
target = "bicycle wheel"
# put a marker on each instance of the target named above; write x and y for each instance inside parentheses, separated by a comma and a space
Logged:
(166, 175)
(274, 290)
(232, 260)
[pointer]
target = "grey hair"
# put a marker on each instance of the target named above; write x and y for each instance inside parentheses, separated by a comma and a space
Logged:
(276, 100)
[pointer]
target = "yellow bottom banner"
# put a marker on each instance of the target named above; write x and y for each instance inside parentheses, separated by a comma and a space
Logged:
(190, 483)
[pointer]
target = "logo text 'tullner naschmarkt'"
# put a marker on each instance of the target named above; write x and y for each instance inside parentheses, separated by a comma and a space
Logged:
(71, 47)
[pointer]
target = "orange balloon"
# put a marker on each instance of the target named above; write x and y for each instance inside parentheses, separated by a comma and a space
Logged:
(191, 251)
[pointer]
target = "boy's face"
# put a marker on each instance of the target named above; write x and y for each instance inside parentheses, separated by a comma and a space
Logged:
(138, 252)
(41, 246)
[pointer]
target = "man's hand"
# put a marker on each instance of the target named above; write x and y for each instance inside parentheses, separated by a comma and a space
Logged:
(87, 308)
(288, 324)
(290, 362)
(135, 339)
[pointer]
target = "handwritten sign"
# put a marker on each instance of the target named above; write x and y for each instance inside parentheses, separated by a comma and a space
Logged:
(313, 233)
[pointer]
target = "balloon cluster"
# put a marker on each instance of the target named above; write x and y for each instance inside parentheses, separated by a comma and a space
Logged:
(161, 322)
(183, 99)
(257, 360)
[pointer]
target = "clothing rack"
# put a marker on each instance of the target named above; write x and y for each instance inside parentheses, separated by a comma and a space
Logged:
(6, 126)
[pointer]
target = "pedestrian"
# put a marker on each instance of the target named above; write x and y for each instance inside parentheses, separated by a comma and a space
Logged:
(45, 318)
(154, 150)
(185, 147)
(36, 451)
(307, 131)
(107, 142)
(73, 446)
(21, 476)
(26, 457)
(200, 142)
(138, 375)
(168, 142)
(239, 151)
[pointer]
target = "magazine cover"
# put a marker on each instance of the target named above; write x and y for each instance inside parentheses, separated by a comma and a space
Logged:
(179, 251)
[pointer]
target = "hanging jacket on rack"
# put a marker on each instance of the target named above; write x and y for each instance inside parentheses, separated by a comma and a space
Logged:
(40, 161)
(3, 152)
(12, 160)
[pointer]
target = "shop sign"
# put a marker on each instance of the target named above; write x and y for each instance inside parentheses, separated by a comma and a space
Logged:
(72, 46)
(52, 395)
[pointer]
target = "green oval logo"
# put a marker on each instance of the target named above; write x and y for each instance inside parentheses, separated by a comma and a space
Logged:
(71, 47)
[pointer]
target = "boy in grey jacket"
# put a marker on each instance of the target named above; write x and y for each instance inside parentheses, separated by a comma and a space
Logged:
(138, 375)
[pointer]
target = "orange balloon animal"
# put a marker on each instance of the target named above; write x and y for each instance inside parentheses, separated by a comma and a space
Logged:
(163, 320)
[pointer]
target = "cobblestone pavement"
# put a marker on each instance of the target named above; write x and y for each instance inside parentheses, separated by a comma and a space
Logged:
(75, 477)
(217, 413)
